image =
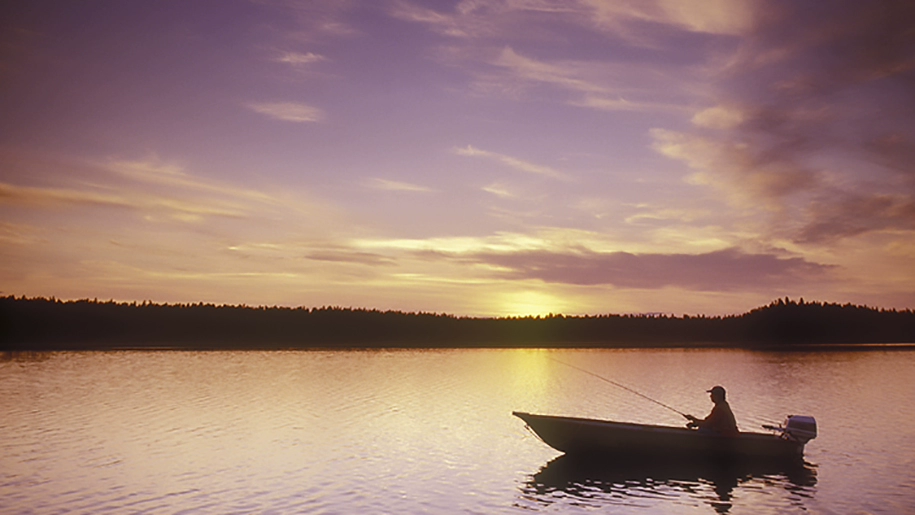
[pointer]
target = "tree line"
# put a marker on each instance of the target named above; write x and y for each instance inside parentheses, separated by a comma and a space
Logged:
(38, 324)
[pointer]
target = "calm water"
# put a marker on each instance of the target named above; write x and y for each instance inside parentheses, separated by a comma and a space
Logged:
(432, 431)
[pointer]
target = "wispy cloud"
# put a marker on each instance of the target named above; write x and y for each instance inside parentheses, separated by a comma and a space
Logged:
(31, 195)
(724, 270)
(622, 18)
(389, 185)
(848, 214)
(462, 245)
(512, 162)
(538, 71)
(725, 17)
(498, 190)
(608, 103)
(150, 186)
(154, 171)
(345, 255)
(445, 23)
(288, 111)
(719, 117)
(317, 19)
(588, 259)
(594, 85)
(46, 197)
(808, 120)
(751, 176)
(611, 82)
(299, 59)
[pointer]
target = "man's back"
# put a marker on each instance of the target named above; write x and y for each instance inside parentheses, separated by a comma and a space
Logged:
(721, 420)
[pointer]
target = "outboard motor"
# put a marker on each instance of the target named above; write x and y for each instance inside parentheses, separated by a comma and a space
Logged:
(797, 428)
(800, 428)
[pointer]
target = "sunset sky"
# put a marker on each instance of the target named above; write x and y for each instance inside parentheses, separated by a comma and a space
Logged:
(472, 157)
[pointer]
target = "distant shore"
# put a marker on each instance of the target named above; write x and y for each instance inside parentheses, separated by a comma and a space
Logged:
(40, 324)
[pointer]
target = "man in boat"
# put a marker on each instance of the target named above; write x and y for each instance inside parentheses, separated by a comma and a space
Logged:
(720, 421)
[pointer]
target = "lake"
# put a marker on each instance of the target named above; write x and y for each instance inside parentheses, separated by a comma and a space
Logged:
(431, 431)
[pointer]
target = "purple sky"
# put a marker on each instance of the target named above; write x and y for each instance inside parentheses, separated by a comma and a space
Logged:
(474, 157)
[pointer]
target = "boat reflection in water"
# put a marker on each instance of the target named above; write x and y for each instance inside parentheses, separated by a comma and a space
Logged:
(649, 481)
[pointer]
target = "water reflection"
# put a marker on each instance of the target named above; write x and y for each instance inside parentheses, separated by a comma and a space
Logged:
(639, 482)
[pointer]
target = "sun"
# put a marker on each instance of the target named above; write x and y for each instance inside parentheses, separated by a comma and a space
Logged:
(529, 303)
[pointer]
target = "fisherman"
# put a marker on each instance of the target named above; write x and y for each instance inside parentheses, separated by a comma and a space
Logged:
(720, 421)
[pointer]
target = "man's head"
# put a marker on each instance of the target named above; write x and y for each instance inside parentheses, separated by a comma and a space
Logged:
(717, 394)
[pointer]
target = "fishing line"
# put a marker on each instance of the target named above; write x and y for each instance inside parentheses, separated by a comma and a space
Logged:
(624, 387)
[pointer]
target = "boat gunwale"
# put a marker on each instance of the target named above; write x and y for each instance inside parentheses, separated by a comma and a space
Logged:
(635, 426)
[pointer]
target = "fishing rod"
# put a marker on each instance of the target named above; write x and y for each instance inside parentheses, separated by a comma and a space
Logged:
(624, 387)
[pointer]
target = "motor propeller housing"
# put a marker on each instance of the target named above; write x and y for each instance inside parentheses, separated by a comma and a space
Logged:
(801, 428)
(797, 428)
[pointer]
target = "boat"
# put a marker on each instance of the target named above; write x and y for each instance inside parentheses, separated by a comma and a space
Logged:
(584, 436)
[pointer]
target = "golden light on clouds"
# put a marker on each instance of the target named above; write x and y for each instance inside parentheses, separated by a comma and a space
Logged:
(486, 158)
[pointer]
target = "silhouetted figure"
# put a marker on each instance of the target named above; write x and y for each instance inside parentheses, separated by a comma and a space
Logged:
(721, 420)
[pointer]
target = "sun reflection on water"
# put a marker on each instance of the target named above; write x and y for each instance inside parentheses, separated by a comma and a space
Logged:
(430, 431)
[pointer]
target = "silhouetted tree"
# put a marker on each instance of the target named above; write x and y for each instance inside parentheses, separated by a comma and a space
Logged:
(51, 324)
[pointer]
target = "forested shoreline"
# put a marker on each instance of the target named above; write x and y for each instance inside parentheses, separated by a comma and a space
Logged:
(41, 324)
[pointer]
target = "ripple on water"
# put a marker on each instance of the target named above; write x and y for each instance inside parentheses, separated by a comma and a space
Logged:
(432, 431)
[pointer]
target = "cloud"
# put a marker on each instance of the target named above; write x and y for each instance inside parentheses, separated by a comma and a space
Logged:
(498, 190)
(177, 209)
(351, 256)
(315, 19)
(174, 177)
(719, 117)
(38, 196)
(849, 214)
(299, 59)
(444, 23)
(477, 19)
(751, 175)
(155, 188)
(725, 17)
(811, 118)
(288, 111)
(512, 162)
(44, 197)
(388, 185)
(724, 270)
(538, 71)
(611, 82)
(465, 245)
(621, 104)
(594, 85)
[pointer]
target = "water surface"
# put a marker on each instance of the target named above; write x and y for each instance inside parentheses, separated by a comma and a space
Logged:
(407, 431)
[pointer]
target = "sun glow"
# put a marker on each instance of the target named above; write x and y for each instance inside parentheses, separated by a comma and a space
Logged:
(530, 303)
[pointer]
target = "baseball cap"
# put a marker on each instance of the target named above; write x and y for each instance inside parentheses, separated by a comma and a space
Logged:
(716, 390)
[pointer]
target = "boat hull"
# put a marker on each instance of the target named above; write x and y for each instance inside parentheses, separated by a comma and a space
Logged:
(582, 436)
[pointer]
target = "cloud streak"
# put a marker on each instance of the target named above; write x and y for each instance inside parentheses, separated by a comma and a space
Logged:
(512, 162)
(288, 111)
(389, 185)
(299, 59)
(813, 120)
(598, 85)
(724, 270)
(42, 197)
(609, 82)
